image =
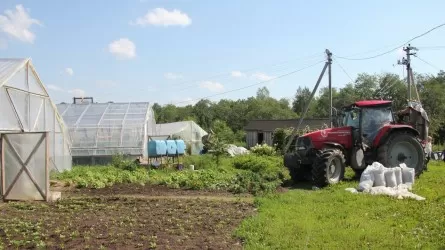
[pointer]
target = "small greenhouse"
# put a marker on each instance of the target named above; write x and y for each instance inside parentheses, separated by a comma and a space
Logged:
(188, 131)
(33, 136)
(100, 130)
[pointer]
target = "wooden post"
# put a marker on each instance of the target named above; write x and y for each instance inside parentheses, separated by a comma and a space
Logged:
(47, 166)
(3, 164)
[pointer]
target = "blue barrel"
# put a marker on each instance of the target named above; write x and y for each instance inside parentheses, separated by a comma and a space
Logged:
(157, 148)
(180, 144)
(171, 147)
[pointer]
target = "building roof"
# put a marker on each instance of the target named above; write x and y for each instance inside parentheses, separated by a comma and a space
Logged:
(104, 114)
(9, 66)
(271, 125)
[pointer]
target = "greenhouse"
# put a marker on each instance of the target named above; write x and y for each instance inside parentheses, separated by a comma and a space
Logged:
(100, 130)
(188, 131)
(33, 137)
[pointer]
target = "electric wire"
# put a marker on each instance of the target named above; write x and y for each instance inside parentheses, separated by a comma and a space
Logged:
(343, 69)
(432, 65)
(394, 49)
(315, 55)
(251, 85)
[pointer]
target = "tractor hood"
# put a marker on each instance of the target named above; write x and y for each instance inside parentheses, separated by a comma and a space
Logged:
(319, 138)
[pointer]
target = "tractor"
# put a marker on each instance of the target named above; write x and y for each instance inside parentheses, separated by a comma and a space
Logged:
(364, 132)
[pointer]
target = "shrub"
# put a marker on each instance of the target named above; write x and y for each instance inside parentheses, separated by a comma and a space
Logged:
(263, 150)
(262, 174)
(101, 176)
(119, 161)
(211, 179)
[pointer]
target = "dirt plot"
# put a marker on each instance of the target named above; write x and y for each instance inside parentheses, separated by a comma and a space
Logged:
(112, 218)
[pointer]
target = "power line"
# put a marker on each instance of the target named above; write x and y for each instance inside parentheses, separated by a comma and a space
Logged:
(251, 85)
(249, 70)
(273, 72)
(394, 49)
(427, 62)
(343, 69)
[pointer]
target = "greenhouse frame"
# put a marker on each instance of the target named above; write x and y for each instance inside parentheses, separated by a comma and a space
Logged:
(101, 130)
(33, 137)
(188, 131)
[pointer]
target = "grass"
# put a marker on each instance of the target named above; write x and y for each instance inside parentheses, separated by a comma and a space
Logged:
(333, 218)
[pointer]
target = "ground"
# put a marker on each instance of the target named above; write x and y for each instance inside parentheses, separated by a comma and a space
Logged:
(130, 216)
(126, 216)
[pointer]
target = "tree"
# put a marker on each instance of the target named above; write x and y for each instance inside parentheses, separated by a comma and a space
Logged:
(224, 133)
(301, 99)
(262, 93)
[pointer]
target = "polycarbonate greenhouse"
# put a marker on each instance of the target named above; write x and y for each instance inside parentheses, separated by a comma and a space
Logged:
(34, 139)
(188, 131)
(101, 130)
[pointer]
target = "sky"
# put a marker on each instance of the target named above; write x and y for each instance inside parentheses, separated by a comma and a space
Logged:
(179, 51)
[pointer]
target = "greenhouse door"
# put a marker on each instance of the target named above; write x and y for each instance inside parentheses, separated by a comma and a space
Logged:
(25, 162)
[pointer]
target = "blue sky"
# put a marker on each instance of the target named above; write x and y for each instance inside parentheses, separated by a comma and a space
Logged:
(169, 51)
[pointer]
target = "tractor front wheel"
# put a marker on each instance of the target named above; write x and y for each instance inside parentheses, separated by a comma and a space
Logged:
(402, 148)
(328, 168)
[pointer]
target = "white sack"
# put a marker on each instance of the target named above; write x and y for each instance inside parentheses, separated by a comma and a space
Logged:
(395, 182)
(390, 178)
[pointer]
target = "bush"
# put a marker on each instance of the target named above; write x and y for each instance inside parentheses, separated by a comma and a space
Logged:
(263, 150)
(119, 161)
(211, 179)
(101, 176)
(262, 174)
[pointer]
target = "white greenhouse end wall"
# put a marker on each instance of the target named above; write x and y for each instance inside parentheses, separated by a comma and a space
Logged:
(25, 107)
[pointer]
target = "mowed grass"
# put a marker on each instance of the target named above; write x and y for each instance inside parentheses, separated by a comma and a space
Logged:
(333, 218)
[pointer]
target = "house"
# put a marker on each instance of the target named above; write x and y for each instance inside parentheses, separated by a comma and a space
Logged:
(261, 131)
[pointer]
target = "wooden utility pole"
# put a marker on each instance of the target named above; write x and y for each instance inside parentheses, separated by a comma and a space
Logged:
(329, 54)
(306, 108)
(407, 61)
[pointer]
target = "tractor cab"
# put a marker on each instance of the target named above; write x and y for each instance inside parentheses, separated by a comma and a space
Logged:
(366, 118)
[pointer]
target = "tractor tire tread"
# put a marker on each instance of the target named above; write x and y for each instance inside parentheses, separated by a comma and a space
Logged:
(382, 151)
(320, 166)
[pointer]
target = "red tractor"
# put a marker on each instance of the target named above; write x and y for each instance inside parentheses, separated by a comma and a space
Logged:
(365, 132)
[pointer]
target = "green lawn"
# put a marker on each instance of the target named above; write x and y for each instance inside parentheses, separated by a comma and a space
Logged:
(333, 218)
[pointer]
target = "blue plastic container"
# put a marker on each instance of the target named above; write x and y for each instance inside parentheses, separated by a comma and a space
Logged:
(157, 148)
(171, 147)
(180, 144)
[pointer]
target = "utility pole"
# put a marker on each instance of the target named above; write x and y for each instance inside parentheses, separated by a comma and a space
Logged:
(407, 61)
(329, 54)
(306, 108)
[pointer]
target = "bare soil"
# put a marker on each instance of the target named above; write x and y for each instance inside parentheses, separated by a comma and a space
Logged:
(126, 217)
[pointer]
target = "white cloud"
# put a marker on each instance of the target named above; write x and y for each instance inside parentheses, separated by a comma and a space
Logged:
(172, 76)
(54, 87)
(163, 17)
(106, 83)
(237, 73)
(123, 48)
(77, 92)
(17, 24)
(186, 101)
(69, 71)
(262, 76)
(212, 86)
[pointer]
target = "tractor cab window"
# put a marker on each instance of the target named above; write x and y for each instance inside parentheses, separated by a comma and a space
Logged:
(374, 119)
(351, 118)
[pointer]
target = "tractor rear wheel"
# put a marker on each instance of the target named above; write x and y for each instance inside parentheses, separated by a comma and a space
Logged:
(402, 147)
(328, 168)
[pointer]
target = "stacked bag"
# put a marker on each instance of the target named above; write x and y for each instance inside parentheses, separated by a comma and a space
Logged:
(396, 181)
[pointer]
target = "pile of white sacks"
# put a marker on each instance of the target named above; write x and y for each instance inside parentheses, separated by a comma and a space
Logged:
(379, 180)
